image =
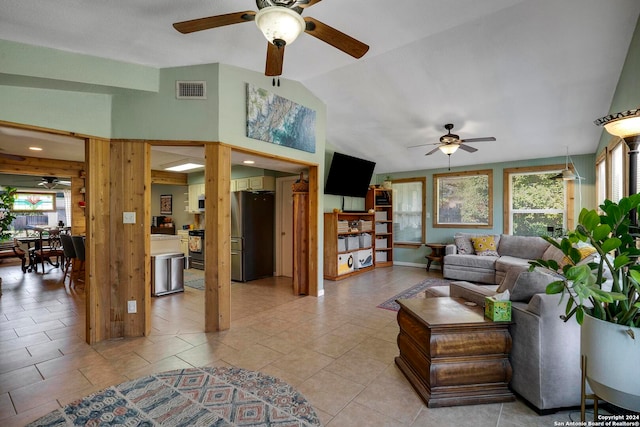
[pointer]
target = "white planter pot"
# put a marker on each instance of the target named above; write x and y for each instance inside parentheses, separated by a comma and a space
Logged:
(612, 362)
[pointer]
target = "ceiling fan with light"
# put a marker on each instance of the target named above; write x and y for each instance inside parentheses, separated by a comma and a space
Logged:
(450, 143)
(51, 182)
(281, 23)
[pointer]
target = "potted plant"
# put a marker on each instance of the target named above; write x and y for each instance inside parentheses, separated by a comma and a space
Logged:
(604, 297)
(7, 197)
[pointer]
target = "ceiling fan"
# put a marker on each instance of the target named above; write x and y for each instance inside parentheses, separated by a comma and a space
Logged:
(50, 182)
(450, 142)
(281, 22)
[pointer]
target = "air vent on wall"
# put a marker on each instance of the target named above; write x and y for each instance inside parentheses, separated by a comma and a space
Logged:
(191, 90)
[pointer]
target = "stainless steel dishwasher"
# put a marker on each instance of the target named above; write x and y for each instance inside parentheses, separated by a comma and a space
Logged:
(167, 273)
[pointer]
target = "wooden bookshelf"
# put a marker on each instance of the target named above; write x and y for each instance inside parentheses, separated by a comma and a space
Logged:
(336, 259)
(381, 201)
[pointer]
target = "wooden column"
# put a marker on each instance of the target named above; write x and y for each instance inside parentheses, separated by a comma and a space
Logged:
(97, 244)
(217, 277)
(301, 237)
(312, 230)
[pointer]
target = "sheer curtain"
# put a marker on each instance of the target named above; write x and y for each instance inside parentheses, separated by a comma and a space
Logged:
(67, 207)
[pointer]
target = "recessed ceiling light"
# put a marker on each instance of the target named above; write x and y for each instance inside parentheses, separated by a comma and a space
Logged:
(35, 148)
(183, 167)
(248, 162)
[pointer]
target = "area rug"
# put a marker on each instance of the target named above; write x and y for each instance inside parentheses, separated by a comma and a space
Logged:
(415, 291)
(191, 397)
(194, 279)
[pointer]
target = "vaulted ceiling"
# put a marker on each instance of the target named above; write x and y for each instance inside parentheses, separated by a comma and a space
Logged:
(532, 73)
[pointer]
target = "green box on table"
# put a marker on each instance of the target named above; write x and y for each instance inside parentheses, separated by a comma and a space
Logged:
(498, 311)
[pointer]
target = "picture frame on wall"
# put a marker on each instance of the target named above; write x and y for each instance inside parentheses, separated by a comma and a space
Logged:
(166, 204)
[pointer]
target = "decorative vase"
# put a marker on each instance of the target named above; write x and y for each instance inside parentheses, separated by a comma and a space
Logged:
(612, 357)
(386, 185)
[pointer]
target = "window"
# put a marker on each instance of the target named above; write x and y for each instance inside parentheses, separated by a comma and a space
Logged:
(408, 210)
(463, 199)
(601, 179)
(537, 204)
(617, 168)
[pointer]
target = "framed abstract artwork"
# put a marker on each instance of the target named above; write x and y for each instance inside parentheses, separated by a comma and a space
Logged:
(277, 120)
(166, 204)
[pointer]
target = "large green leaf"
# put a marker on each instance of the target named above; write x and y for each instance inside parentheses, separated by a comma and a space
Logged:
(601, 232)
(620, 261)
(590, 220)
(610, 244)
(555, 287)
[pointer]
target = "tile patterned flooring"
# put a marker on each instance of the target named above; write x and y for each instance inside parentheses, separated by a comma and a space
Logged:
(338, 349)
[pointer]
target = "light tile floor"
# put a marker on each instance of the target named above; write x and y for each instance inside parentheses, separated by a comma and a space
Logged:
(338, 350)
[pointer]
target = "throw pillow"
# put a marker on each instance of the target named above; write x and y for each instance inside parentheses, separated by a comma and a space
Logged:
(463, 244)
(484, 245)
(587, 253)
(523, 284)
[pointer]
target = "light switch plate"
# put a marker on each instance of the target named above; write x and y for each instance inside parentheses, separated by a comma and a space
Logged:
(128, 217)
(132, 307)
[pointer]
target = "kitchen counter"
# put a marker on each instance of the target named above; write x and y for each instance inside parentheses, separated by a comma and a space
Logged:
(165, 243)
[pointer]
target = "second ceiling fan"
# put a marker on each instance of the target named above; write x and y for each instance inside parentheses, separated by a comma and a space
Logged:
(281, 23)
(450, 142)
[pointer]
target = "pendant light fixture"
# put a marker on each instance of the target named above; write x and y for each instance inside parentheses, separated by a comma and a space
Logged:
(280, 25)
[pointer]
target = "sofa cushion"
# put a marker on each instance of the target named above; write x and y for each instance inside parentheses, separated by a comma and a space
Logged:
(465, 246)
(523, 284)
(484, 245)
(527, 247)
(504, 263)
(587, 254)
(487, 262)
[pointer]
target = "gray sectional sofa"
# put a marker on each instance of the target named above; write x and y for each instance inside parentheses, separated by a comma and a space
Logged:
(545, 354)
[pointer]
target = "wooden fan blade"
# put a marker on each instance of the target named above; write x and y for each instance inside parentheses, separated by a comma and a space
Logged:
(489, 138)
(335, 38)
(307, 3)
(423, 145)
(467, 148)
(432, 151)
(186, 27)
(275, 59)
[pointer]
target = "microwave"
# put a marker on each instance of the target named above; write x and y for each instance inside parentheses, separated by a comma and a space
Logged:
(201, 203)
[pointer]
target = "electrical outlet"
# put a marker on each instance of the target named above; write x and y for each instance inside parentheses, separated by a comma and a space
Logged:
(132, 307)
(128, 217)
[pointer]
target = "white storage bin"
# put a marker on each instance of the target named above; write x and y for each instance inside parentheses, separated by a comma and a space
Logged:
(381, 227)
(381, 215)
(353, 243)
(345, 263)
(364, 258)
(381, 256)
(342, 244)
(381, 243)
(365, 240)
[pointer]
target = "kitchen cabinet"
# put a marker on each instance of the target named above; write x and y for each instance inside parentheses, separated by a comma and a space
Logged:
(195, 191)
(259, 183)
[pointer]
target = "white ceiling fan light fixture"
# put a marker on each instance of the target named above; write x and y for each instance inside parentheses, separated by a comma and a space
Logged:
(280, 25)
(449, 148)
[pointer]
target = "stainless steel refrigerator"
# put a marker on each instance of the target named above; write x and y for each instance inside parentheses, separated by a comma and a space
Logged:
(252, 235)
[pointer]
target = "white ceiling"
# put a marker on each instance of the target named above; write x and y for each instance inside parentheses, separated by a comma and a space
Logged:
(532, 73)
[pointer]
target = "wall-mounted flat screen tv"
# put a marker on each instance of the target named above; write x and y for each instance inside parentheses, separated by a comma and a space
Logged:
(349, 176)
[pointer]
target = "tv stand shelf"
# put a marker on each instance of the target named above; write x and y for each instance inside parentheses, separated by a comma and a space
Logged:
(340, 264)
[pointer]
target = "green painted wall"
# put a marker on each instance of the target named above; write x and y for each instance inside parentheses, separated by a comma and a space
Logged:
(162, 116)
(83, 113)
(585, 198)
(627, 94)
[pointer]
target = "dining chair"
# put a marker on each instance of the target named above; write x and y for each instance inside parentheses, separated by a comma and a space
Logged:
(78, 246)
(49, 247)
(69, 257)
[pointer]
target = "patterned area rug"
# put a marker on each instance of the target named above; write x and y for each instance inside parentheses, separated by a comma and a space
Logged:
(416, 291)
(191, 397)
(194, 279)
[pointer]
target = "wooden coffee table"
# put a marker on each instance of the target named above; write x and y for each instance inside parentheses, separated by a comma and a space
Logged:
(451, 354)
